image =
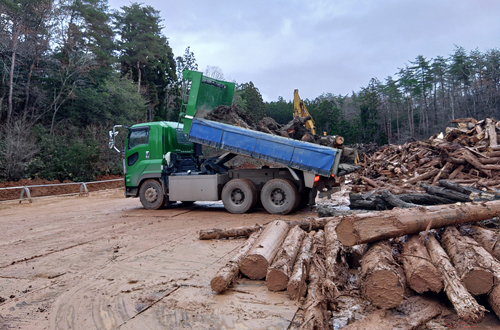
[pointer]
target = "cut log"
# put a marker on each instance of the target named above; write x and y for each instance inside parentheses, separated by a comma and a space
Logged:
(228, 232)
(373, 226)
(487, 238)
(427, 175)
(421, 274)
(245, 231)
(396, 201)
(254, 265)
(281, 268)
(425, 199)
(316, 316)
(297, 286)
(383, 280)
(469, 260)
(456, 172)
(446, 193)
(227, 274)
(492, 134)
(412, 313)
(464, 303)
(494, 299)
(336, 264)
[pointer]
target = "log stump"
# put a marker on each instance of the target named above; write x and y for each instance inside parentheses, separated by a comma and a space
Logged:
(383, 280)
(421, 274)
(262, 253)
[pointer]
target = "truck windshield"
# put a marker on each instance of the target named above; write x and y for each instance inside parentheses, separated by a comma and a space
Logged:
(181, 137)
(138, 137)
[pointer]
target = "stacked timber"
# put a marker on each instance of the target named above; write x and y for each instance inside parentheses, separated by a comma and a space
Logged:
(468, 153)
(362, 269)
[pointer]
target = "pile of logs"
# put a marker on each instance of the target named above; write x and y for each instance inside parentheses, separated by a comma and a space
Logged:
(385, 258)
(469, 153)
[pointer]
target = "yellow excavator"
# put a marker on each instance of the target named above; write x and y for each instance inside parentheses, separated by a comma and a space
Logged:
(300, 110)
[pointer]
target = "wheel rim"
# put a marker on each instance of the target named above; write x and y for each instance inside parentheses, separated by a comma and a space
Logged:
(237, 196)
(278, 197)
(151, 195)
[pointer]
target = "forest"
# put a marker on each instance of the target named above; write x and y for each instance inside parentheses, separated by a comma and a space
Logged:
(71, 69)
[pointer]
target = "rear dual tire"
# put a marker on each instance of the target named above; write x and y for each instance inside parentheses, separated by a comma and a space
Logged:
(239, 195)
(279, 196)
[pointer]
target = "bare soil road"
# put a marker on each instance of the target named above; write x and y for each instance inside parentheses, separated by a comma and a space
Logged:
(104, 262)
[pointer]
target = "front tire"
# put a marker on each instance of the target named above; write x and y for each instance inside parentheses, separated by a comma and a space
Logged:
(279, 196)
(239, 195)
(151, 195)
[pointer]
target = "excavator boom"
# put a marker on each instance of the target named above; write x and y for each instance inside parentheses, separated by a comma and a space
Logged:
(300, 110)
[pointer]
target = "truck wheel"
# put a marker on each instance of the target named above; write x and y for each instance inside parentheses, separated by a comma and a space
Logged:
(151, 195)
(239, 195)
(279, 196)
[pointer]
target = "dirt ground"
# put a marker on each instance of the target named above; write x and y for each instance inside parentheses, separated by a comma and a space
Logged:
(104, 262)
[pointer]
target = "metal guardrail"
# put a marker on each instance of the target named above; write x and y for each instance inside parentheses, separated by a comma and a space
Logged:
(84, 192)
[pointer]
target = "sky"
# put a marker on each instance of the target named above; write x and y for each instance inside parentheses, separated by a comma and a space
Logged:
(322, 46)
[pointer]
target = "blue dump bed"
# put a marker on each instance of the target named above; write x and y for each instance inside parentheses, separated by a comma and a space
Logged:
(285, 151)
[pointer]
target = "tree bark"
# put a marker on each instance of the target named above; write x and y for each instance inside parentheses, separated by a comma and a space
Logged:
(465, 305)
(227, 274)
(373, 226)
(396, 201)
(425, 176)
(425, 199)
(446, 193)
(383, 281)
(254, 265)
(297, 286)
(315, 305)
(336, 262)
(245, 231)
(279, 273)
(229, 232)
(494, 299)
(413, 312)
(470, 261)
(421, 274)
(488, 239)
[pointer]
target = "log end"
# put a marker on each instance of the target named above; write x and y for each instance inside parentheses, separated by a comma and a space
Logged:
(254, 266)
(426, 278)
(346, 233)
(478, 281)
(218, 284)
(384, 289)
(276, 280)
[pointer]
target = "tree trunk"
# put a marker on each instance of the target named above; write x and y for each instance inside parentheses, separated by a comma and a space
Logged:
(494, 300)
(373, 226)
(425, 176)
(413, 312)
(396, 201)
(465, 305)
(425, 199)
(316, 310)
(297, 286)
(470, 261)
(16, 31)
(421, 274)
(229, 232)
(254, 265)
(488, 239)
(383, 280)
(336, 261)
(227, 274)
(279, 273)
(138, 65)
(446, 193)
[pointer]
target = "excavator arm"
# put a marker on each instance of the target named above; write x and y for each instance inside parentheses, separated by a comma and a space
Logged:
(300, 110)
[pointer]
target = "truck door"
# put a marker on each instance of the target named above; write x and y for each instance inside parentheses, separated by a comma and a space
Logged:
(137, 154)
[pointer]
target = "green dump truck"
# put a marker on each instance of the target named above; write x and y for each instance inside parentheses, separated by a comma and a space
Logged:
(163, 161)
